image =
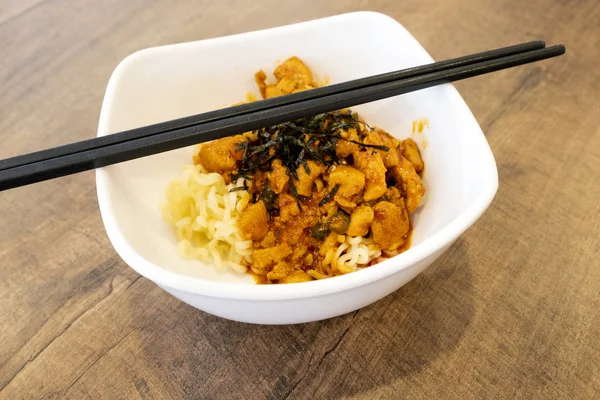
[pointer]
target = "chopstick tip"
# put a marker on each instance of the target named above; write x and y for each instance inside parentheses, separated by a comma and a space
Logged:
(559, 48)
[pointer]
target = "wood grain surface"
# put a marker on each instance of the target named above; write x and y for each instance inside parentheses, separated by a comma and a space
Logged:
(511, 310)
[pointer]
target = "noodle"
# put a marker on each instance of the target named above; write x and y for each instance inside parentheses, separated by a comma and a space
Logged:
(351, 254)
(205, 216)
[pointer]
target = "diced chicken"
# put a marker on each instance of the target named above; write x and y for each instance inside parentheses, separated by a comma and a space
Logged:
(293, 223)
(299, 251)
(343, 148)
(288, 207)
(370, 163)
(260, 78)
(297, 277)
(280, 271)
(254, 221)
(329, 243)
(286, 273)
(390, 225)
(387, 139)
(294, 69)
(360, 221)
(405, 175)
(351, 182)
(220, 155)
(373, 138)
(259, 181)
(269, 240)
(302, 89)
(265, 258)
(284, 86)
(390, 158)
(235, 148)
(394, 196)
(410, 151)
(272, 91)
(319, 185)
(292, 76)
(278, 178)
(304, 184)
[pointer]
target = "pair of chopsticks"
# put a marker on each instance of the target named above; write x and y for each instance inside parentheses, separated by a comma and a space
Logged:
(140, 142)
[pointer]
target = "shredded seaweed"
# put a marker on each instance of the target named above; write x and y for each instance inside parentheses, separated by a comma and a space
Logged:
(268, 196)
(330, 195)
(296, 142)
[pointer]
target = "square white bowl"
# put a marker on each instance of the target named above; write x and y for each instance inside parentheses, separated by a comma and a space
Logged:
(168, 82)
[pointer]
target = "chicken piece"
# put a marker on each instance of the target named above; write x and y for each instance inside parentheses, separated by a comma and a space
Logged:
(288, 207)
(278, 177)
(304, 184)
(292, 76)
(286, 85)
(329, 243)
(220, 155)
(371, 165)
(280, 271)
(309, 259)
(357, 200)
(259, 181)
(299, 251)
(387, 139)
(235, 149)
(360, 221)
(302, 89)
(319, 185)
(254, 221)
(405, 175)
(372, 137)
(297, 277)
(410, 151)
(273, 91)
(351, 182)
(265, 258)
(393, 195)
(269, 240)
(390, 158)
(260, 78)
(343, 148)
(329, 209)
(390, 225)
(292, 229)
(294, 69)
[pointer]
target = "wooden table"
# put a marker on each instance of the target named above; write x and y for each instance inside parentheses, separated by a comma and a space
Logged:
(511, 310)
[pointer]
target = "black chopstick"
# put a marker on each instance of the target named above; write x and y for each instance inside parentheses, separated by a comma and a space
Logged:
(217, 115)
(107, 155)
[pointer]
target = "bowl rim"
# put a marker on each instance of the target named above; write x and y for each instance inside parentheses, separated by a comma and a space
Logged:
(238, 291)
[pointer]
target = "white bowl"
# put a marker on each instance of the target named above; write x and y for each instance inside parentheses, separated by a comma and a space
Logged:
(167, 82)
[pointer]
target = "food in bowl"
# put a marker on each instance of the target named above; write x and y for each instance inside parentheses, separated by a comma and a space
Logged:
(299, 201)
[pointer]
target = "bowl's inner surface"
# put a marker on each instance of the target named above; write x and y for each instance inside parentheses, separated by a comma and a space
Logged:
(165, 83)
